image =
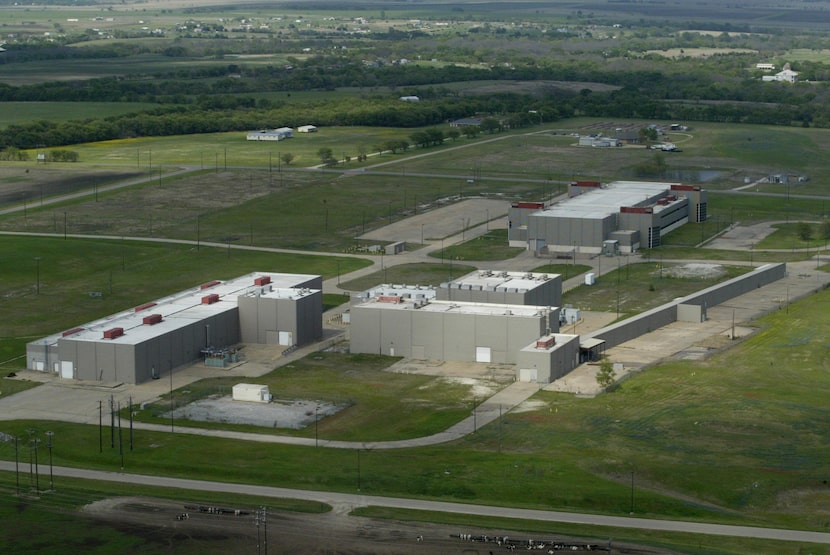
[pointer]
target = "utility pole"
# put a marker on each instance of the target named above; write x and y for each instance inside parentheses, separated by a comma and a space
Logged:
(265, 529)
(51, 474)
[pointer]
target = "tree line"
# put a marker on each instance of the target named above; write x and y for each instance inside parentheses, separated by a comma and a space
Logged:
(208, 100)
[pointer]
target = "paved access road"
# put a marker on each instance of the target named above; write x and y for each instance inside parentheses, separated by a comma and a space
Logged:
(358, 500)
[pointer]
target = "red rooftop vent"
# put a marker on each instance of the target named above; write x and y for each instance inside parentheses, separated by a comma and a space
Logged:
(144, 307)
(73, 331)
(390, 299)
(679, 187)
(588, 184)
(210, 299)
(210, 284)
(264, 280)
(152, 319)
(113, 333)
(636, 210)
(531, 205)
(546, 343)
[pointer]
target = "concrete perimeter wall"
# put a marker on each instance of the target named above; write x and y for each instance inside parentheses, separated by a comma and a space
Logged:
(649, 321)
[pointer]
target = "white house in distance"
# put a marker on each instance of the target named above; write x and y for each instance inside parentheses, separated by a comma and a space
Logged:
(786, 75)
(271, 134)
(409, 99)
(306, 129)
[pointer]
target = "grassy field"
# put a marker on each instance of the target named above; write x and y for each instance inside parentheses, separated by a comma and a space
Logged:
(12, 113)
(359, 386)
(635, 288)
(787, 236)
(488, 247)
(52, 515)
(231, 150)
(603, 535)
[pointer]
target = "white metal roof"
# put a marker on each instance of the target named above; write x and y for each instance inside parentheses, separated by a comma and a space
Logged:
(602, 202)
(459, 307)
(500, 281)
(185, 307)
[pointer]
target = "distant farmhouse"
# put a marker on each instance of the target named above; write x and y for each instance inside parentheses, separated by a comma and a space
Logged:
(409, 99)
(271, 134)
(306, 129)
(466, 122)
(786, 75)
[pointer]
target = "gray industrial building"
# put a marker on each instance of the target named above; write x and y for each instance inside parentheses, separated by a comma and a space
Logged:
(548, 358)
(487, 286)
(448, 330)
(620, 217)
(144, 342)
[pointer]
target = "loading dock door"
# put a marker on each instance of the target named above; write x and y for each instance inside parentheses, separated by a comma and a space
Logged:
(483, 354)
(528, 374)
(67, 369)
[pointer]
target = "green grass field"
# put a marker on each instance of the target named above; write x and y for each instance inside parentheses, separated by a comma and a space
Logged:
(358, 385)
(491, 246)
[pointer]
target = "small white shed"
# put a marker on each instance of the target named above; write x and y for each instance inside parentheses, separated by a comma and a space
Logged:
(307, 129)
(251, 392)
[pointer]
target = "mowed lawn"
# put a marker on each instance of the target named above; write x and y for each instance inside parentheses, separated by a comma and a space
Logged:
(230, 150)
(358, 385)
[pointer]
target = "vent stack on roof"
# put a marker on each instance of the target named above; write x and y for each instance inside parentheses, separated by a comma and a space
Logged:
(144, 306)
(152, 319)
(113, 333)
(390, 299)
(264, 280)
(210, 299)
(546, 343)
(72, 331)
(210, 284)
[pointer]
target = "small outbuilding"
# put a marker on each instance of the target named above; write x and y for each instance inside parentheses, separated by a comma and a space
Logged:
(251, 392)
(307, 129)
(271, 134)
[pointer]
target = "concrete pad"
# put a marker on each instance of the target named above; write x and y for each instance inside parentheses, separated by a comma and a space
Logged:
(444, 222)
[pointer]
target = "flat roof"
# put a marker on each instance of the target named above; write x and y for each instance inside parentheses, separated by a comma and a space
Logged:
(459, 307)
(184, 308)
(560, 339)
(394, 290)
(500, 281)
(601, 202)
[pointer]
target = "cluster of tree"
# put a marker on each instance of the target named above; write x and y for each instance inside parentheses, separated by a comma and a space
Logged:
(805, 231)
(428, 137)
(392, 146)
(13, 154)
(61, 155)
